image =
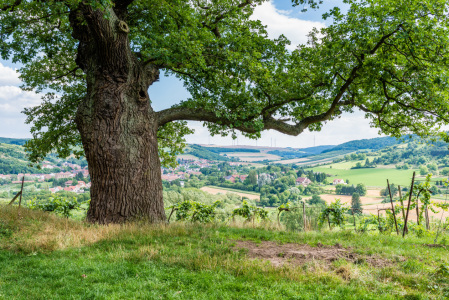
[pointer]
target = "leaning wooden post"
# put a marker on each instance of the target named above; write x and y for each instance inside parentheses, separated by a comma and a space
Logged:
(304, 215)
(408, 205)
(15, 197)
(392, 208)
(402, 202)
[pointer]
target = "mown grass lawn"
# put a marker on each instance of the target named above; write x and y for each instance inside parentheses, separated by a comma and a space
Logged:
(46, 257)
(375, 177)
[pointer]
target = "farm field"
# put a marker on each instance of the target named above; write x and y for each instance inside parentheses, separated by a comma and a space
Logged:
(347, 199)
(372, 201)
(55, 258)
(291, 161)
(218, 190)
(315, 163)
(372, 177)
(251, 156)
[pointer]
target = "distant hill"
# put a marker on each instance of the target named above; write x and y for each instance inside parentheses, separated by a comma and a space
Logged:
(291, 153)
(373, 144)
(11, 141)
(13, 160)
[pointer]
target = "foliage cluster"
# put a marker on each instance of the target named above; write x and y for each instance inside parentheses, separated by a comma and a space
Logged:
(250, 212)
(57, 204)
(194, 211)
(334, 213)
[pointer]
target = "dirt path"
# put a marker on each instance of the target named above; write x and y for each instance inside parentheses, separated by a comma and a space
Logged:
(297, 254)
(215, 191)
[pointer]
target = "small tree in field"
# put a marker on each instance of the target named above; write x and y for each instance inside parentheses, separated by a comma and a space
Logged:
(356, 204)
(96, 59)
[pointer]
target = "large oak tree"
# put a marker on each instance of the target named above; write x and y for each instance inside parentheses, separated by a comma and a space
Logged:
(95, 59)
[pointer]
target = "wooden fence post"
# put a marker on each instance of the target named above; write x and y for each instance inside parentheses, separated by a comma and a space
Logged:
(304, 215)
(408, 205)
(21, 191)
(402, 203)
(392, 208)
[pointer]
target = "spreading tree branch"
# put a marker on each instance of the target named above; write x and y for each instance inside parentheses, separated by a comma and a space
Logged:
(11, 6)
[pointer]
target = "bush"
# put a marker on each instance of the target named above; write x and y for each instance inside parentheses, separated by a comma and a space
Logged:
(57, 204)
(316, 200)
(250, 212)
(195, 211)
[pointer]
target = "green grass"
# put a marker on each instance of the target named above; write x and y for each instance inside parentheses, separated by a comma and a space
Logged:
(42, 257)
(375, 177)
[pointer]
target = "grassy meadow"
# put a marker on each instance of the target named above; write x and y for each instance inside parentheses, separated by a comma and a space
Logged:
(374, 177)
(43, 256)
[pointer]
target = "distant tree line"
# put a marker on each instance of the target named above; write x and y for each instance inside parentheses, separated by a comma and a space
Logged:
(343, 189)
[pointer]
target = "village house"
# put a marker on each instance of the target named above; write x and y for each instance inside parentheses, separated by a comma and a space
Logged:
(48, 166)
(233, 178)
(170, 177)
(304, 181)
(338, 181)
(64, 175)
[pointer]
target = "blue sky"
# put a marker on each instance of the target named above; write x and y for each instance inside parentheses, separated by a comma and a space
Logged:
(280, 18)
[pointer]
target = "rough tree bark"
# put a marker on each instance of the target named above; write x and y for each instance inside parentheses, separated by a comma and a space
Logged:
(118, 127)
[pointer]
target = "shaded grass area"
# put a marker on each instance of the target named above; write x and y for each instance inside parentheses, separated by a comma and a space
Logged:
(46, 257)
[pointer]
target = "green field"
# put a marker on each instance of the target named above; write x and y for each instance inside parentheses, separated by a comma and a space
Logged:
(46, 257)
(375, 177)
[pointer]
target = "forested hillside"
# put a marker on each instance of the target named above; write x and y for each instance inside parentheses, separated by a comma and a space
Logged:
(373, 144)
(11, 141)
(13, 160)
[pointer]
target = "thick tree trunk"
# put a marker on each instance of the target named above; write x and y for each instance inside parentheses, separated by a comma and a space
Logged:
(118, 130)
(117, 124)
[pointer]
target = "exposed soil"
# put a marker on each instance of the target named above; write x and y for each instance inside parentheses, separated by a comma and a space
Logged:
(297, 254)
(436, 246)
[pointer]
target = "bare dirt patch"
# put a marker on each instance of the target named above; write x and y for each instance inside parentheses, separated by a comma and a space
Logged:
(297, 254)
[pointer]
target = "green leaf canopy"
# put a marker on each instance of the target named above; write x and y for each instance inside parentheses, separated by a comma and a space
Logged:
(387, 58)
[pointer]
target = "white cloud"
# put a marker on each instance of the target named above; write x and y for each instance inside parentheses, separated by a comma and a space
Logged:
(8, 76)
(12, 102)
(279, 22)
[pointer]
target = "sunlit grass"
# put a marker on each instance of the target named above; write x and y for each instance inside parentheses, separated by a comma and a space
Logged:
(50, 257)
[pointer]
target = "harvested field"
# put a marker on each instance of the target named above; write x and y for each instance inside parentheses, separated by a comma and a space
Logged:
(347, 199)
(251, 156)
(215, 191)
(291, 161)
(297, 254)
(316, 162)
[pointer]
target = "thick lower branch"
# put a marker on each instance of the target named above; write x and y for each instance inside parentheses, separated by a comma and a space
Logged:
(190, 114)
